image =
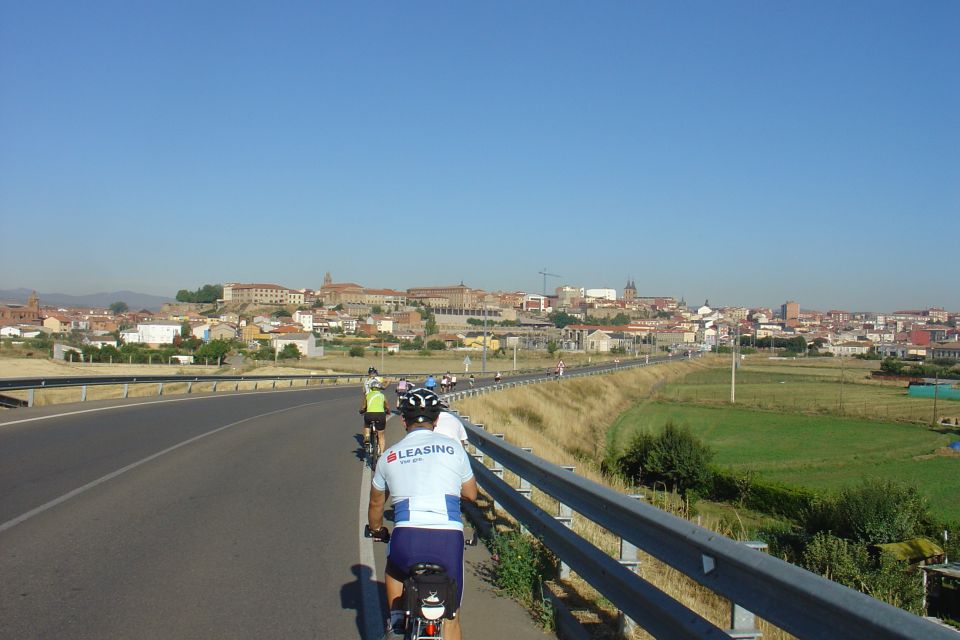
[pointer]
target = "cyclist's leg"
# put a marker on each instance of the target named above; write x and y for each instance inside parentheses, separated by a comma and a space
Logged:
(380, 427)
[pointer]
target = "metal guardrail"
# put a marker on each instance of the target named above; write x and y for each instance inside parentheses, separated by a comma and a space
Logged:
(798, 601)
(59, 382)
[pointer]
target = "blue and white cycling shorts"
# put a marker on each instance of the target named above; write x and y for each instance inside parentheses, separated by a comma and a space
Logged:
(410, 545)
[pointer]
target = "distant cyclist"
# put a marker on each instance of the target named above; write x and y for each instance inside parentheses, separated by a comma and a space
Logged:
(431, 383)
(372, 375)
(374, 410)
(402, 387)
(497, 378)
(425, 475)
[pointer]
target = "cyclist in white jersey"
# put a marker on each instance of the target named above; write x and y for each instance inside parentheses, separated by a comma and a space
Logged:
(450, 425)
(425, 475)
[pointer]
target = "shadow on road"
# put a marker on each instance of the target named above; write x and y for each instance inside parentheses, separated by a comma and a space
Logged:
(351, 596)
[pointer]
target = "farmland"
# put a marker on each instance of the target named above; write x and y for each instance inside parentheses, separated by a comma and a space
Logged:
(788, 427)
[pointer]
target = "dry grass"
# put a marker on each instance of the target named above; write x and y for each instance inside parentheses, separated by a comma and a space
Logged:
(566, 423)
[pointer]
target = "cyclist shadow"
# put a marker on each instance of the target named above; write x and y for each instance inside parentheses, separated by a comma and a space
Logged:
(351, 596)
(359, 452)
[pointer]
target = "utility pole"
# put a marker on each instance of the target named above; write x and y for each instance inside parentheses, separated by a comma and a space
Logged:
(936, 390)
(841, 383)
(733, 372)
(483, 365)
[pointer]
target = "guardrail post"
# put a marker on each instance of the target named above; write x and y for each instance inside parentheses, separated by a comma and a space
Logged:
(274, 385)
(236, 387)
(497, 470)
(525, 489)
(30, 398)
(565, 517)
(160, 389)
(190, 387)
(743, 624)
(126, 390)
(628, 559)
(83, 393)
(214, 390)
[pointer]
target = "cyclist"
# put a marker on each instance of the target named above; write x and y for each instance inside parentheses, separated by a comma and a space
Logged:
(372, 375)
(472, 380)
(374, 410)
(453, 382)
(425, 475)
(402, 387)
(450, 425)
(497, 378)
(430, 383)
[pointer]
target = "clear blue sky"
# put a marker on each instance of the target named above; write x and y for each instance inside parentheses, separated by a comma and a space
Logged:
(745, 152)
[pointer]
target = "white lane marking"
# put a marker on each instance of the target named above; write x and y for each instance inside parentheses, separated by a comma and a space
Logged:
(140, 404)
(110, 476)
(373, 618)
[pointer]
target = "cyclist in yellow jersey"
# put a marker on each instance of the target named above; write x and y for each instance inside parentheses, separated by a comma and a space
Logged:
(374, 410)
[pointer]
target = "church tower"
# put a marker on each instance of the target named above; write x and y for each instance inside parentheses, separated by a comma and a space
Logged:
(630, 291)
(327, 279)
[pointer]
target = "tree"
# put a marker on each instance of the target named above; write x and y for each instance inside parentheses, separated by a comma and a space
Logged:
(289, 352)
(119, 307)
(376, 309)
(430, 322)
(204, 294)
(356, 352)
(436, 345)
(674, 456)
(214, 350)
(561, 319)
(552, 347)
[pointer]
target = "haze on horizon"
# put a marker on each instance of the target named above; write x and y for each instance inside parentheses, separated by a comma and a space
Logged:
(748, 153)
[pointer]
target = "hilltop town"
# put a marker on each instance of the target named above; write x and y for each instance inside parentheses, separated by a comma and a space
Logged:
(303, 322)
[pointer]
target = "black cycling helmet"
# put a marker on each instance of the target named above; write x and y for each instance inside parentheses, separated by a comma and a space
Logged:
(371, 371)
(420, 405)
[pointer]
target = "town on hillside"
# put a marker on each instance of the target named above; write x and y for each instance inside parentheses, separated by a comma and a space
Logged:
(301, 323)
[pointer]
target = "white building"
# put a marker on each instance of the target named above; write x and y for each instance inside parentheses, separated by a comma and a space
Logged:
(602, 294)
(309, 345)
(153, 333)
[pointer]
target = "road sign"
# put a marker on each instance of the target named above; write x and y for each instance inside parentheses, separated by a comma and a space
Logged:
(466, 364)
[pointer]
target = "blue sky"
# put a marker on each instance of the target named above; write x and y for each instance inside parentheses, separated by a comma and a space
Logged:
(745, 152)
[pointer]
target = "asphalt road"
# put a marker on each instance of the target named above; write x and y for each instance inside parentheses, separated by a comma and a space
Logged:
(222, 516)
(248, 531)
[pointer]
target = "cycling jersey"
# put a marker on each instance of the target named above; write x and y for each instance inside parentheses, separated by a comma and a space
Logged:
(376, 402)
(423, 473)
(449, 425)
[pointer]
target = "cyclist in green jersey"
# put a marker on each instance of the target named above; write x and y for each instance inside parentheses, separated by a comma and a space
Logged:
(374, 410)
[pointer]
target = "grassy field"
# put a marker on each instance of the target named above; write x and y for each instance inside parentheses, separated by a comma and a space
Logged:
(824, 386)
(789, 425)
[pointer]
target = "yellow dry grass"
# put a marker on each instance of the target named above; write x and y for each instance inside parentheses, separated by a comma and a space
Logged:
(566, 423)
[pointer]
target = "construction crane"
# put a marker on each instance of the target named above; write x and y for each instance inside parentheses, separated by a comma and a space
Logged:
(545, 273)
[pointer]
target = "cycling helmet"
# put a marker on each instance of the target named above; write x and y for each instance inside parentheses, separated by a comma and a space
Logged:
(371, 371)
(376, 383)
(420, 405)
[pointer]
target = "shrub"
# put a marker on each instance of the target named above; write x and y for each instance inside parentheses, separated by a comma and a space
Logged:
(753, 492)
(520, 564)
(675, 456)
(874, 512)
(850, 564)
(356, 352)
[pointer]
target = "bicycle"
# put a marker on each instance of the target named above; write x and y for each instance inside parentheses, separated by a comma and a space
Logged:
(425, 594)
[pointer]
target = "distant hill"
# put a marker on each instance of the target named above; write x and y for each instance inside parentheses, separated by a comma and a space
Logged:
(133, 299)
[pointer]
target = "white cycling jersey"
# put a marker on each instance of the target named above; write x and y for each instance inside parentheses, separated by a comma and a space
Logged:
(423, 473)
(449, 425)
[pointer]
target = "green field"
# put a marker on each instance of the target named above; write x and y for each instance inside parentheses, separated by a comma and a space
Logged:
(809, 386)
(817, 451)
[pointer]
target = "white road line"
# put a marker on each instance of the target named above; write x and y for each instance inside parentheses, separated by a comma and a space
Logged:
(373, 618)
(140, 404)
(110, 476)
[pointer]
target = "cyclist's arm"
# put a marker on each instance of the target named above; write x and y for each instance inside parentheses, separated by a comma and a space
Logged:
(375, 509)
(468, 490)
